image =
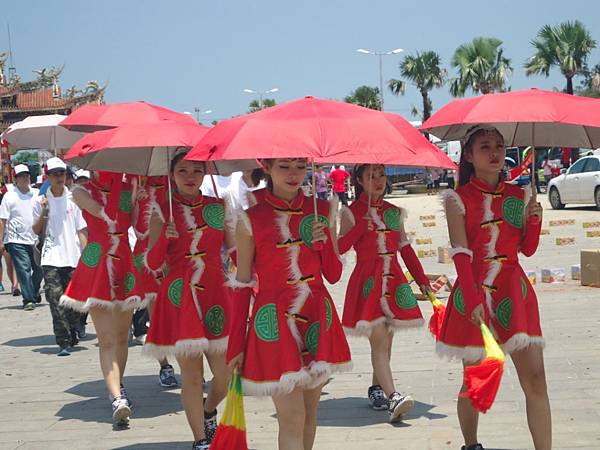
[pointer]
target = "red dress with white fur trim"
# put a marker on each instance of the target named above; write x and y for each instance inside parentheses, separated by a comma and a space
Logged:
(494, 224)
(106, 275)
(191, 313)
(378, 291)
(295, 338)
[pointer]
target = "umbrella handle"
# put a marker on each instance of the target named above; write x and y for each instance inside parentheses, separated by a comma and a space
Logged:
(170, 198)
(316, 245)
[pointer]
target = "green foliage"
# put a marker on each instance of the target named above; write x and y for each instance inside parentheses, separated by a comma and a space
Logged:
(565, 46)
(481, 66)
(255, 105)
(366, 96)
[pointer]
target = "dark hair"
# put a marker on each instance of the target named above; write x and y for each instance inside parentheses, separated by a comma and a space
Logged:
(269, 162)
(465, 168)
(256, 176)
(357, 173)
(178, 157)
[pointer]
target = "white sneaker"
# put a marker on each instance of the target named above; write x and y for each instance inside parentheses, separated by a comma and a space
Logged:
(121, 410)
(398, 405)
(139, 340)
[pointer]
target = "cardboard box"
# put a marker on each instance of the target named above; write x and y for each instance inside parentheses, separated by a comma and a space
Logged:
(556, 275)
(591, 224)
(423, 241)
(544, 231)
(561, 223)
(444, 255)
(590, 268)
(570, 240)
(427, 218)
(411, 234)
(531, 276)
(576, 272)
(429, 224)
(426, 253)
(595, 233)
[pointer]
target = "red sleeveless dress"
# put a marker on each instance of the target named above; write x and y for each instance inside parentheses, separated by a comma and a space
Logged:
(106, 274)
(191, 313)
(378, 291)
(295, 338)
(494, 222)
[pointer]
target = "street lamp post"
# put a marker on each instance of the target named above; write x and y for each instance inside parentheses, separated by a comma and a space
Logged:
(380, 56)
(260, 94)
(199, 113)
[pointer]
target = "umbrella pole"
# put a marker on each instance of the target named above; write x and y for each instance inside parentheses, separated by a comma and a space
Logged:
(170, 192)
(533, 174)
(214, 185)
(314, 190)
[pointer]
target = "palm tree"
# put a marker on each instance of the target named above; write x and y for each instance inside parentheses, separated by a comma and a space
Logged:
(366, 96)
(566, 46)
(3, 57)
(590, 85)
(257, 105)
(424, 71)
(482, 67)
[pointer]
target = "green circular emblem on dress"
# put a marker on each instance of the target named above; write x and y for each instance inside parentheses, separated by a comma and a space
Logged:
(91, 254)
(266, 325)
(368, 287)
(305, 227)
(138, 261)
(504, 313)
(512, 210)
(328, 313)
(405, 298)
(174, 292)
(125, 203)
(214, 216)
(312, 338)
(459, 301)
(523, 288)
(129, 282)
(215, 320)
(391, 218)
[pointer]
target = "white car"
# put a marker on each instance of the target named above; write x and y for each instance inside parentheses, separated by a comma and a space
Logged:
(579, 184)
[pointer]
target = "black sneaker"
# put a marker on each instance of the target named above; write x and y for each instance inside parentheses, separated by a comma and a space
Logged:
(398, 405)
(377, 398)
(472, 447)
(210, 425)
(80, 330)
(121, 411)
(202, 444)
(74, 338)
(16, 292)
(38, 299)
(166, 376)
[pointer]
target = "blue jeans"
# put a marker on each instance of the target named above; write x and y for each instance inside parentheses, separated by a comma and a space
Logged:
(29, 274)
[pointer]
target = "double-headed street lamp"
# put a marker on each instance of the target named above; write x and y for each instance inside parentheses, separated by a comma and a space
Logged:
(260, 94)
(380, 55)
(200, 113)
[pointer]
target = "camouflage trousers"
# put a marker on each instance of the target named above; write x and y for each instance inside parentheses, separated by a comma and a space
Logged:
(64, 320)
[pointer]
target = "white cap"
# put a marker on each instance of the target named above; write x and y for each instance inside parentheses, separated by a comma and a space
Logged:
(20, 168)
(82, 173)
(40, 179)
(55, 165)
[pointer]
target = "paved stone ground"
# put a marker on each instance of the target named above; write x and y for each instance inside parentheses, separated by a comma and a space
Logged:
(60, 403)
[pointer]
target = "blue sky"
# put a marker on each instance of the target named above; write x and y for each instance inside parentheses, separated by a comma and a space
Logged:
(196, 53)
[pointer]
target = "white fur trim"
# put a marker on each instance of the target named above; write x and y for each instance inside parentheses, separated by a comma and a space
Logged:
(158, 351)
(456, 250)
(467, 354)
(137, 302)
(190, 347)
(521, 341)
(387, 262)
(316, 374)
(450, 195)
(364, 328)
(233, 283)
(494, 265)
(197, 263)
(217, 346)
(404, 243)
(91, 302)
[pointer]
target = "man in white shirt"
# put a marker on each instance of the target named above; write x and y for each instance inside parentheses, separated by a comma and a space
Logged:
(59, 222)
(16, 221)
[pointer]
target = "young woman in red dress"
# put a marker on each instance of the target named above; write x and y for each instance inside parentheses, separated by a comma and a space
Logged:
(489, 223)
(379, 300)
(191, 316)
(294, 340)
(104, 282)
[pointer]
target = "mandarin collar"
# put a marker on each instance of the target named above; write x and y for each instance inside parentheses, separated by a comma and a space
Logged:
(375, 203)
(284, 205)
(196, 201)
(486, 188)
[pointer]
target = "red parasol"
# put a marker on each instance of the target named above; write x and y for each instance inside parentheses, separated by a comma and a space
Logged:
(91, 118)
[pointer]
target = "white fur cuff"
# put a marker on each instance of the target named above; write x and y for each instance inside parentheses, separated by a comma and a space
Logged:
(457, 250)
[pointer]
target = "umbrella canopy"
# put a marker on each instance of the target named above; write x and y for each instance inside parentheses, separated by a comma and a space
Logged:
(91, 118)
(527, 117)
(41, 132)
(324, 131)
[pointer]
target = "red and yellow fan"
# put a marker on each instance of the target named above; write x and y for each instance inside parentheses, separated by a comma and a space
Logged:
(231, 432)
(483, 380)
